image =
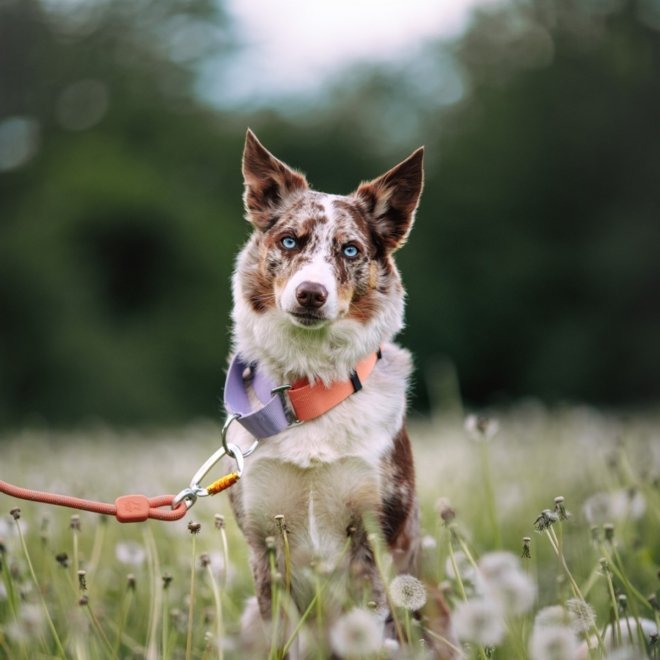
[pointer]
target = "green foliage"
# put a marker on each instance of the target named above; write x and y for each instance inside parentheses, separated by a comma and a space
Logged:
(532, 269)
(155, 589)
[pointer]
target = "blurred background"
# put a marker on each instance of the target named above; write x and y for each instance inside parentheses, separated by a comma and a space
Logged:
(534, 266)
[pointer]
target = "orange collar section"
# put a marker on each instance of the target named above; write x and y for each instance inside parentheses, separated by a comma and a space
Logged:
(311, 400)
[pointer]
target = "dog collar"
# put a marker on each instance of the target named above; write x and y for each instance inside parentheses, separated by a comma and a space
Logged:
(283, 406)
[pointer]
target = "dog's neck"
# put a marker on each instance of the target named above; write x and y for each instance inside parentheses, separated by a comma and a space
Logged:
(287, 353)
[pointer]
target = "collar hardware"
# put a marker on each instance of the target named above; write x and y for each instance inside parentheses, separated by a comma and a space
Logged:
(284, 406)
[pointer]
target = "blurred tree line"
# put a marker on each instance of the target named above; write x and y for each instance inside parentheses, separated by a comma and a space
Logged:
(532, 269)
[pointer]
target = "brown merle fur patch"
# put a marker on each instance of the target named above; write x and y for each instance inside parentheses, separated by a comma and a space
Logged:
(398, 473)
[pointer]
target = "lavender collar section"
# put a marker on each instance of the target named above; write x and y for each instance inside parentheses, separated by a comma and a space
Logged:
(270, 418)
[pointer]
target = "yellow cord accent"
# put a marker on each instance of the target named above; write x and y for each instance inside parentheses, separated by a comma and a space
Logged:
(223, 483)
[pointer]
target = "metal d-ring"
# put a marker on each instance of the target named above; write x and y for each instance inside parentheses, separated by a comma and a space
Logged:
(228, 446)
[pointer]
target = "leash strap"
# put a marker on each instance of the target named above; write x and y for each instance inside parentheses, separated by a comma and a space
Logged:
(127, 508)
(306, 401)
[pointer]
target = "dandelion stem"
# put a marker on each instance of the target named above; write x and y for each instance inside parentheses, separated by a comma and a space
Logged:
(390, 605)
(51, 625)
(156, 592)
(97, 547)
(457, 575)
(287, 552)
(319, 591)
(218, 609)
(123, 618)
(225, 550)
(191, 605)
(613, 601)
(457, 650)
(574, 586)
(489, 494)
(99, 630)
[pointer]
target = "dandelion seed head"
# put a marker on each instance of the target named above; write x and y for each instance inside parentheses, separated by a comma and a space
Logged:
(545, 520)
(408, 592)
(505, 582)
(429, 542)
(616, 506)
(359, 632)
(628, 625)
(445, 510)
(481, 428)
(624, 653)
(130, 553)
(479, 620)
(29, 625)
(82, 580)
(553, 615)
(131, 582)
(494, 565)
(526, 552)
(553, 642)
(581, 614)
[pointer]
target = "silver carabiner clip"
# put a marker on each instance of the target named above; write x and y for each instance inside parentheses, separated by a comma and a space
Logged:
(189, 495)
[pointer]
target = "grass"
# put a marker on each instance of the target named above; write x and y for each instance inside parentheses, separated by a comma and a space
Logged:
(581, 485)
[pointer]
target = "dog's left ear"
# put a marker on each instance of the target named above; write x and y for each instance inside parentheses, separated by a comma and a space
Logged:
(391, 200)
(268, 182)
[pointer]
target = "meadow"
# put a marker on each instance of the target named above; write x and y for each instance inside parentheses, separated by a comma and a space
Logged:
(540, 529)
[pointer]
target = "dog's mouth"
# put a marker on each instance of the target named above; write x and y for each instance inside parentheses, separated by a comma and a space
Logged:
(308, 319)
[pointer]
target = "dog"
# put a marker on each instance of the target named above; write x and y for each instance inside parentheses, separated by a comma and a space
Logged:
(317, 302)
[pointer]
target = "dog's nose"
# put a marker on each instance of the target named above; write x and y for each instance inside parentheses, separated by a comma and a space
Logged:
(311, 295)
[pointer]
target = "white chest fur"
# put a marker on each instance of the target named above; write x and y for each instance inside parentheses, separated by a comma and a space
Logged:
(319, 474)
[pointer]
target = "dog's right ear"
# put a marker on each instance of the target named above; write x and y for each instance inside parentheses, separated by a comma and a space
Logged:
(268, 182)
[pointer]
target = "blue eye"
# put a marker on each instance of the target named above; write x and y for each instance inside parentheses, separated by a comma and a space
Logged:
(350, 251)
(289, 243)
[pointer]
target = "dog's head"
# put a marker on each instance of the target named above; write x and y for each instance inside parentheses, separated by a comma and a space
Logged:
(322, 263)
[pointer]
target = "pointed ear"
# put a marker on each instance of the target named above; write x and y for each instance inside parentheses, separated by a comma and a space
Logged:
(391, 200)
(268, 182)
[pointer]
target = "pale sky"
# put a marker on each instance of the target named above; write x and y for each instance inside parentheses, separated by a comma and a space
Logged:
(292, 45)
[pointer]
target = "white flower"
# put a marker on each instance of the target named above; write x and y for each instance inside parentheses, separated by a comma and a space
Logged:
(359, 632)
(629, 625)
(481, 428)
(615, 506)
(582, 615)
(554, 615)
(429, 542)
(624, 653)
(504, 581)
(130, 552)
(30, 624)
(408, 592)
(553, 642)
(479, 620)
